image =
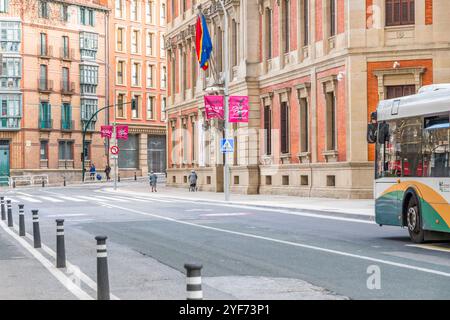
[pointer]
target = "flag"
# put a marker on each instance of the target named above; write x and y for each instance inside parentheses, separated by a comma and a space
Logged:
(203, 44)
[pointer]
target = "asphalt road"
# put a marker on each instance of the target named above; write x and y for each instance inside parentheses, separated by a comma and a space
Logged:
(247, 252)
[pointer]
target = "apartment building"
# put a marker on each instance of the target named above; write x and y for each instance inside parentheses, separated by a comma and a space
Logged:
(314, 70)
(138, 72)
(52, 81)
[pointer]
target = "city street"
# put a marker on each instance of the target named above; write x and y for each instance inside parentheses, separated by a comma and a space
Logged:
(247, 251)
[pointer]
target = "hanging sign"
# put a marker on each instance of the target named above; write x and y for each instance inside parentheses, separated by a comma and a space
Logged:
(214, 107)
(122, 132)
(238, 109)
(106, 131)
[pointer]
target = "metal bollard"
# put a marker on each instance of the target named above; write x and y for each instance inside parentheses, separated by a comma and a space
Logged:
(64, 181)
(118, 178)
(10, 216)
(2, 203)
(193, 281)
(135, 178)
(102, 269)
(60, 244)
(43, 183)
(36, 231)
(21, 221)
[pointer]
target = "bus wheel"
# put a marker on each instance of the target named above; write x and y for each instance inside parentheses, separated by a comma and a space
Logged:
(414, 221)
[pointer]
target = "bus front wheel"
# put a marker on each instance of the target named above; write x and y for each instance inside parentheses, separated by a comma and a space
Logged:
(414, 221)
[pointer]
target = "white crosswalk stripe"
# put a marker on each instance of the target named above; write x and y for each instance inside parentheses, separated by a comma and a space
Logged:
(74, 199)
(29, 199)
(12, 200)
(115, 199)
(50, 199)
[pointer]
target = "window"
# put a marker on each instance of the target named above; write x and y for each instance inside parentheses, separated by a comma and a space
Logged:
(435, 150)
(332, 18)
(149, 44)
(43, 83)
(284, 127)
(88, 108)
(45, 115)
(11, 72)
(286, 25)
(10, 36)
(134, 10)
(135, 107)
(163, 108)
(43, 154)
(268, 33)
(65, 79)
(120, 71)
(119, 8)
(163, 15)
(129, 152)
(393, 92)
(43, 44)
(4, 6)
(66, 116)
(120, 105)
(150, 107)
(150, 72)
(65, 47)
(162, 46)
(305, 22)
(119, 39)
(304, 127)
(135, 74)
(88, 45)
(87, 16)
(331, 121)
(163, 77)
(135, 41)
(400, 12)
(11, 106)
(268, 130)
(64, 12)
(65, 150)
(43, 9)
(149, 9)
(88, 79)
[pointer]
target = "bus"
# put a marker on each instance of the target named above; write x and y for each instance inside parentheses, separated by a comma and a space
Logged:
(412, 163)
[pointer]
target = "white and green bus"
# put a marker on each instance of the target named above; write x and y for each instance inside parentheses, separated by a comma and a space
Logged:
(412, 163)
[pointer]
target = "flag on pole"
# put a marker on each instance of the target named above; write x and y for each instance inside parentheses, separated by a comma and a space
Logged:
(203, 43)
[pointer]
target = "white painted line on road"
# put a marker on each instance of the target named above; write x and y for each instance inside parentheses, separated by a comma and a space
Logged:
(29, 199)
(234, 214)
(79, 220)
(71, 199)
(295, 244)
(50, 199)
(430, 247)
(198, 210)
(58, 274)
(66, 215)
(112, 199)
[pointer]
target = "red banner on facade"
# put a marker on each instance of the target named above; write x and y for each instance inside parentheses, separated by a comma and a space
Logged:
(106, 131)
(214, 107)
(122, 132)
(238, 109)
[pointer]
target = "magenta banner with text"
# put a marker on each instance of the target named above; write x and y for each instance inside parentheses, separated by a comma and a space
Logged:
(214, 107)
(106, 131)
(122, 132)
(238, 109)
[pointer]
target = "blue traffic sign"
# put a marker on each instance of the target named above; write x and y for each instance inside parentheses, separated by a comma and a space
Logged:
(227, 145)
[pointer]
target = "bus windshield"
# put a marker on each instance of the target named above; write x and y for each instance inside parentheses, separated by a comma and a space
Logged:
(416, 147)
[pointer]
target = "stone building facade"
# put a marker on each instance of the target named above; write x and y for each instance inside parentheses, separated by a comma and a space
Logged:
(53, 79)
(314, 70)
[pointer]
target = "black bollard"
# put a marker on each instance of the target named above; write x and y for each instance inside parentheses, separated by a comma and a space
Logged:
(14, 183)
(64, 181)
(43, 183)
(193, 281)
(102, 269)
(21, 221)
(135, 178)
(2, 203)
(118, 178)
(36, 231)
(60, 244)
(10, 216)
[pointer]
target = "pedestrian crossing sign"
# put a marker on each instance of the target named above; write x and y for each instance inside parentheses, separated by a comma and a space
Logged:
(227, 145)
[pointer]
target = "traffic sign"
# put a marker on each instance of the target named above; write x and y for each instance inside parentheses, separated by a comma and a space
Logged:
(227, 145)
(115, 150)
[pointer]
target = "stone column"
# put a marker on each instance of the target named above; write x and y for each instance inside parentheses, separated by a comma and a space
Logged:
(143, 163)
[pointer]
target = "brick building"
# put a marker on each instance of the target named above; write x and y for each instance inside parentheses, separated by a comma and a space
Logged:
(138, 72)
(52, 80)
(313, 71)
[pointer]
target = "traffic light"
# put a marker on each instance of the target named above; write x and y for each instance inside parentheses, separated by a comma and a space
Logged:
(133, 104)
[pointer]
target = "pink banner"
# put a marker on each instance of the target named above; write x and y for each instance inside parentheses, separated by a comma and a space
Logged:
(122, 132)
(214, 107)
(238, 109)
(106, 131)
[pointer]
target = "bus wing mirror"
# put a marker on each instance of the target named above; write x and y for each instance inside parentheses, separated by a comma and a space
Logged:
(371, 133)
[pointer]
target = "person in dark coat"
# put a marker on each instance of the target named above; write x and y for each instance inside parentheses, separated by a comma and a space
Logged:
(107, 172)
(153, 179)
(193, 181)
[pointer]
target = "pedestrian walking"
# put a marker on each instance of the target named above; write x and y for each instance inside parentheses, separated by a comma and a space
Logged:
(193, 181)
(153, 178)
(107, 172)
(92, 171)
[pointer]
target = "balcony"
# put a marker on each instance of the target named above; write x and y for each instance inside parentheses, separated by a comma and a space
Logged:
(67, 125)
(67, 88)
(45, 124)
(67, 54)
(45, 85)
(10, 123)
(45, 52)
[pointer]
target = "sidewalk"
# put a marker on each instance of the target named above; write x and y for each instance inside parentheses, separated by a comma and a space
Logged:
(328, 205)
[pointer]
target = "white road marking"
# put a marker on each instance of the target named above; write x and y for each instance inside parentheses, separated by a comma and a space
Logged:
(226, 214)
(112, 199)
(50, 199)
(71, 199)
(290, 243)
(198, 210)
(66, 215)
(430, 247)
(58, 274)
(79, 220)
(29, 199)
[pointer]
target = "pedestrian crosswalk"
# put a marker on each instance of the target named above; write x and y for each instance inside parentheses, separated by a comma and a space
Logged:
(98, 198)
